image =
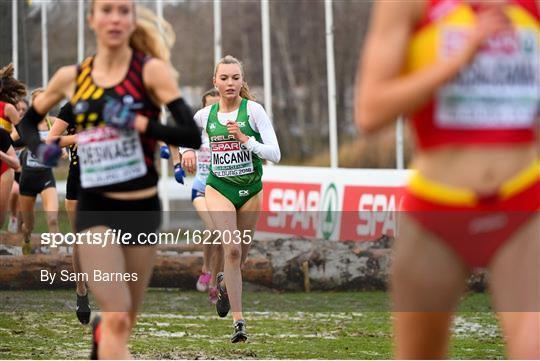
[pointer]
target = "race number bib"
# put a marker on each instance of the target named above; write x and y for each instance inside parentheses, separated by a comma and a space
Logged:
(109, 156)
(230, 159)
(203, 161)
(33, 162)
(500, 89)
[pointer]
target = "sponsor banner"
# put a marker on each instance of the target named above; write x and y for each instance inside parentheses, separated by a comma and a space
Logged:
(290, 208)
(369, 212)
(334, 204)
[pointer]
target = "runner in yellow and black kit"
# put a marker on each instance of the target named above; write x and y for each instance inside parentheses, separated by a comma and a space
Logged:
(72, 190)
(116, 97)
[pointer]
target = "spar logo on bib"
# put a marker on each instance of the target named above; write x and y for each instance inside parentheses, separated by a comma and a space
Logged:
(328, 211)
(225, 146)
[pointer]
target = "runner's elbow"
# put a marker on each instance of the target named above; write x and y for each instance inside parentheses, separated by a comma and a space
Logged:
(366, 121)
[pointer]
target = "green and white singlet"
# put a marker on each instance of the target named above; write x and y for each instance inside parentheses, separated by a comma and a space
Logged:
(235, 171)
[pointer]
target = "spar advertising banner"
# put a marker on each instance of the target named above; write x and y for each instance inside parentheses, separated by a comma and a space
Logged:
(334, 204)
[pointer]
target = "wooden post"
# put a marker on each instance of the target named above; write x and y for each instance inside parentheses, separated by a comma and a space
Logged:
(305, 269)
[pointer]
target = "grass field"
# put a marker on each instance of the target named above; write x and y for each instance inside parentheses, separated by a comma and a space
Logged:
(176, 325)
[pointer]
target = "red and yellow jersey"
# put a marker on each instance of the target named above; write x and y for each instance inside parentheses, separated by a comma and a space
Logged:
(496, 98)
(4, 122)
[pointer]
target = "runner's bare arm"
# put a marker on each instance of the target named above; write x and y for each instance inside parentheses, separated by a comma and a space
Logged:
(14, 135)
(12, 114)
(10, 158)
(159, 82)
(382, 94)
(61, 86)
(58, 128)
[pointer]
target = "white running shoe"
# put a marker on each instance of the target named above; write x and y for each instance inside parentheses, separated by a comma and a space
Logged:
(13, 224)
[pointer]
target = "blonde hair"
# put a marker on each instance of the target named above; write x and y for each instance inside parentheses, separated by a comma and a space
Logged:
(11, 89)
(148, 38)
(229, 59)
(152, 36)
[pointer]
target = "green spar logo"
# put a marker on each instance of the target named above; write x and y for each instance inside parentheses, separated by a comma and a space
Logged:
(328, 209)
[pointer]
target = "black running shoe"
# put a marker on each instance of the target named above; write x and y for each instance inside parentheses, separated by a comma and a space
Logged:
(95, 323)
(240, 334)
(222, 305)
(83, 309)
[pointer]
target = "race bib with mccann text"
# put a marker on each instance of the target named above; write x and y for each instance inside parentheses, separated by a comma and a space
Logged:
(230, 158)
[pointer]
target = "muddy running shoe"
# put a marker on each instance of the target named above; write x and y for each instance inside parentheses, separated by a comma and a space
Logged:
(213, 295)
(96, 335)
(239, 334)
(203, 282)
(222, 305)
(26, 247)
(83, 309)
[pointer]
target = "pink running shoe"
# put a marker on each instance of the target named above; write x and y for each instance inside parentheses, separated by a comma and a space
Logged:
(213, 295)
(203, 281)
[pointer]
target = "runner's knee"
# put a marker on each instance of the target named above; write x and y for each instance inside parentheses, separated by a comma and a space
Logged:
(119, 323)
(233, 254)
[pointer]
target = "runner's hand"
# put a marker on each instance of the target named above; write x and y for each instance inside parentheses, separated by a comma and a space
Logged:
(489, 22)
(189, 161)
(233, 129)
(48, 154)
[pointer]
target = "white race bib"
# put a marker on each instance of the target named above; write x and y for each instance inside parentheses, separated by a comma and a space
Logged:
(33, 162)
(203, 162)
(109, 156)
(230, 159)
(500, 89)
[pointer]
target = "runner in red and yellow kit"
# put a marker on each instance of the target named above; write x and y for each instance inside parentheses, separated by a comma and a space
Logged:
(468, 74)
(11, 91)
